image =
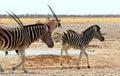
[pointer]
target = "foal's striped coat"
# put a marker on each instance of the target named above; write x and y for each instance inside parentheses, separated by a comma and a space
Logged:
(80, 41)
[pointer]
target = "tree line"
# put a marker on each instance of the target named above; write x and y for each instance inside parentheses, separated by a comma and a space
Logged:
(48, 15)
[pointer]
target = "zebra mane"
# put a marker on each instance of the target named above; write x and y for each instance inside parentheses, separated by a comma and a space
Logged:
(91, 27)
(98, 28)
(72, 31)
(40, 24)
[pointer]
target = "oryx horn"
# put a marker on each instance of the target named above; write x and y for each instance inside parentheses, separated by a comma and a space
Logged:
(17, 20)
(53, 13)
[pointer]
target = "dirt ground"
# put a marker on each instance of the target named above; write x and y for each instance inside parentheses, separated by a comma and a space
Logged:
(106, 62)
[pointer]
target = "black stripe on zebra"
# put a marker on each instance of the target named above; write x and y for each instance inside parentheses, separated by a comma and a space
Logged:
(20, 38)
(80, 41)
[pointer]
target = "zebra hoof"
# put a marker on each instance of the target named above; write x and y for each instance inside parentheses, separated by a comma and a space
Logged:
(2, 70)
(25, 71)
(68, 61)
(13, 68)
(88, 66)
(78, 67)
(61, 64)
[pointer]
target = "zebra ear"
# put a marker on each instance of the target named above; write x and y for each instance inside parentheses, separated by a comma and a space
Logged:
(95, 28)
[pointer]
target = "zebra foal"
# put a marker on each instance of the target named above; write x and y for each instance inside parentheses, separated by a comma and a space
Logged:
(20, 38)
(80, 41)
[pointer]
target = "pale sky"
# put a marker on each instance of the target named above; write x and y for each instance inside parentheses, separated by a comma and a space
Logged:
(77, 7)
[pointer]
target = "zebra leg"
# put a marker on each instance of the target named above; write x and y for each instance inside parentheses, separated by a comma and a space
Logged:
(61, 57)
(1, 69)
(87, 59)
(6, 53)
(67, 56)
(17, 52)
(22, 55)
(65, 47)
(79, 60)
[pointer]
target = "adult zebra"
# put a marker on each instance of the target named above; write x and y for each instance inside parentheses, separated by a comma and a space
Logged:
(20, 38)
(80, 41)
(53, 24)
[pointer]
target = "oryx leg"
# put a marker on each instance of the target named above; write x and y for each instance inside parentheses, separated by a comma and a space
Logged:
(87, 59)
(22, 56)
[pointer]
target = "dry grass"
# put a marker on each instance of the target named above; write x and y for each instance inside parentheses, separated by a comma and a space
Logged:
(85, 19)
(105, 63)
(24, 20)
(67, 19)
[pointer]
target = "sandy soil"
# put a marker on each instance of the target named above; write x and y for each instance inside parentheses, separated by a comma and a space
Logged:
(105, 63)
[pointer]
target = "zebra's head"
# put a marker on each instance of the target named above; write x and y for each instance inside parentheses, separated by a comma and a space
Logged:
(46, 37)
(98, 34)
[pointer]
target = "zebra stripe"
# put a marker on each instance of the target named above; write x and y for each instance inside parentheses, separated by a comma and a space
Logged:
(20, 38)
(7, 36)
(14, 36)
(80, 41)
(36, 31)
